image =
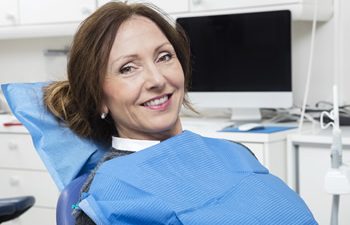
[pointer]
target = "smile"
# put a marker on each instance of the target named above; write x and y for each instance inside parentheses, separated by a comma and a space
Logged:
(158, 103)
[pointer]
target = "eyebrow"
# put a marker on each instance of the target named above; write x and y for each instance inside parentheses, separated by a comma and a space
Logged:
(135, 55)
(160, 46)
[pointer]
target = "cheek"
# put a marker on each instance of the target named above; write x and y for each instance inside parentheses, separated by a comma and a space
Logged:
(176, 76)
(179, 80)
(119, 92)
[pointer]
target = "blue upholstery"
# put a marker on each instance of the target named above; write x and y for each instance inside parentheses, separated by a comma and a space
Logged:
(69, 196)
(65, 154)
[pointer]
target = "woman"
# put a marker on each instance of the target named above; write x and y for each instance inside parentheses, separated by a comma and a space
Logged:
(128, 74)
(113, 89)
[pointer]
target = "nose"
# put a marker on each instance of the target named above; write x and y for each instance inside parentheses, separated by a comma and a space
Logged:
(154, 79)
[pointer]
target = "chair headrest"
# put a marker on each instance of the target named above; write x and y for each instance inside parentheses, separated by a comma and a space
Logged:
(65, 154)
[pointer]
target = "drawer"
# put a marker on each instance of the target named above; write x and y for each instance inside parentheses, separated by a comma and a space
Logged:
(36, 183)
(17, 151)
(37, 216)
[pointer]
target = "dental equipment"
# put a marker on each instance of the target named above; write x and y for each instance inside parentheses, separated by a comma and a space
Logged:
(337, 179)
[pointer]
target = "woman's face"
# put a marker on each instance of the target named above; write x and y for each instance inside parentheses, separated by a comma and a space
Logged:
(144, 85)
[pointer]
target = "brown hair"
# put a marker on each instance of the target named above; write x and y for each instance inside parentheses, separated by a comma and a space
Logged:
(78, 101)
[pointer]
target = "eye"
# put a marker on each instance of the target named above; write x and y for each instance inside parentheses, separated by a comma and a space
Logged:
(164, 57)
(128, 68)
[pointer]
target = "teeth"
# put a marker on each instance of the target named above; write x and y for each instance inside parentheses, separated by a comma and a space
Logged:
(158, 101)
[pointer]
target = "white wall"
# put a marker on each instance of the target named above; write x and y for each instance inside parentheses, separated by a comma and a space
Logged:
(323, 69)
(322, 73)
(23, 60)
(346, 52)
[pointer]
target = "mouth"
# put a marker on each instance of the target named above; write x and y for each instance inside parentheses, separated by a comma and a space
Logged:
(158, 102)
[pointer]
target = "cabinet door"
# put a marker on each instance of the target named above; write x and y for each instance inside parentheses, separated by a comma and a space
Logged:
(26, 182)
(37, 216)
(17, 152)
(8, 12)
(54, 11)
(203, 5)
(168, 6)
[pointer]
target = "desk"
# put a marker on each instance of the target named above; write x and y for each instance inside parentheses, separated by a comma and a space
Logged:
(270, 149)
(308, 157)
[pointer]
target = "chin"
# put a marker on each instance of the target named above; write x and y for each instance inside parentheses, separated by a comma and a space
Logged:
(165, 126)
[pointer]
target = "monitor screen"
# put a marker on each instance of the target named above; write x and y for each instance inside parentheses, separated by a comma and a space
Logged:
(242, 56)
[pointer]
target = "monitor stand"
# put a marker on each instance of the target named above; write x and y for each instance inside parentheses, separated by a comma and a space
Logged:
(246, 115)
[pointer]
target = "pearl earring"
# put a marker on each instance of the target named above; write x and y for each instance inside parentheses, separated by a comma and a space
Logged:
(103, 115)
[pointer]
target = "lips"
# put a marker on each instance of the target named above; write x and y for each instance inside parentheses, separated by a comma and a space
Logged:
(158, 102)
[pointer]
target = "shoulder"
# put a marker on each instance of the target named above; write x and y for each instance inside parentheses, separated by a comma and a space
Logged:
(229, 145)
(232, 153)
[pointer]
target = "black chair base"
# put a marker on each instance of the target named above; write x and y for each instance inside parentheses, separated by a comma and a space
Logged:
(11, 208)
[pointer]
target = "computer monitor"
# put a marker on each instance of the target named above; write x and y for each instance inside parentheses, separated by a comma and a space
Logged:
(241, 61)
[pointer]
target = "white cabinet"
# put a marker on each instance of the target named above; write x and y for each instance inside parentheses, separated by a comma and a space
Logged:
(231, 4)
(308, 163)
(54, 11)
(37, 18)
(301, 9)
(169, 6)
(8, 12)
(23, 173)
(178, 6)
(15, 154)
(37, 216)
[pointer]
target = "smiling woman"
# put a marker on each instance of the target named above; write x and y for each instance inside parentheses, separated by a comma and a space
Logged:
(101, 60)
(128, 74)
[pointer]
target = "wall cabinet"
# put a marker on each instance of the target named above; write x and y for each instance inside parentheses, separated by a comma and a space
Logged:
(230, 4)
(178, 6)
(23, 173)
(54, 11)
(301, 9)
(36, 18)
(8, 13)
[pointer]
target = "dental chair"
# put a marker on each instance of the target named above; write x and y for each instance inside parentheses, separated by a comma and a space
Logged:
(68, 198)
(67, 156)
(48, 136)
(25, 101)
(11, 208)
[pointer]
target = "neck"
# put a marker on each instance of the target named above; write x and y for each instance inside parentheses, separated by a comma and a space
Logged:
(156, 135)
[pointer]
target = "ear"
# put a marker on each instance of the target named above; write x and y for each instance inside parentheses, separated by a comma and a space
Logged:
(104, 108)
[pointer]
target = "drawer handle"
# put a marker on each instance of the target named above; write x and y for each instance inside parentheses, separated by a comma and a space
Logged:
(10, 17)
(197, 2)
(14, 181)
(13, 146)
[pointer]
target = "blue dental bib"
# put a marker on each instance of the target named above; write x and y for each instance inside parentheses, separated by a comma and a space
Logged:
(191, 180)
